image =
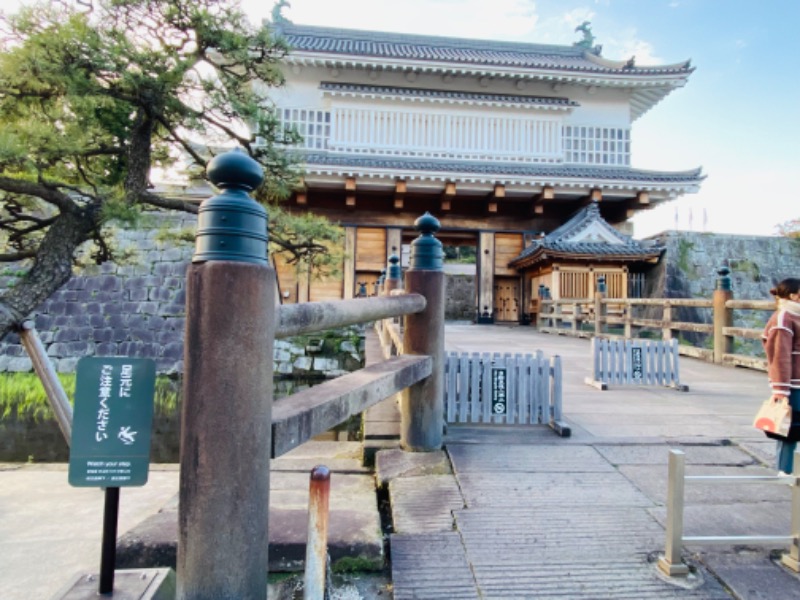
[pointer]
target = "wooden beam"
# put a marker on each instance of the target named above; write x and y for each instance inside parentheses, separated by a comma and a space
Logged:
(498, 193)
(399, 194)
(310, 412)
(448, 194)
(350, 188)
(643, 198)
(301, 198)
(596, 195)
(547, 194)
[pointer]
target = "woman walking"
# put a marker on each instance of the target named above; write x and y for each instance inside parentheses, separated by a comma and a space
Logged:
(781, 340)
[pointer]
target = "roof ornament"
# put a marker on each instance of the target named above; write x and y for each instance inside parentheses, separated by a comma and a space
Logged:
(588, 39)
(277, 13)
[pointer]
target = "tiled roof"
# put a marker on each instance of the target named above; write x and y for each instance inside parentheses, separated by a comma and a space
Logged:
(327, 86)
(501, 169)
(382, 45)
(570, 241)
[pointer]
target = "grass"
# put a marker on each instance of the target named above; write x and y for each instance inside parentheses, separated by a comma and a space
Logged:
(23, 394)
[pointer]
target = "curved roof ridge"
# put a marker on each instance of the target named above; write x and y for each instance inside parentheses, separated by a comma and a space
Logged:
(393, 37)
(405, 46)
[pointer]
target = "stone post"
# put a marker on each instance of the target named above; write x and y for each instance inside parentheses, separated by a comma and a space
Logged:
(227, 402)
(422, 404)
(600, 309)
(723, 317)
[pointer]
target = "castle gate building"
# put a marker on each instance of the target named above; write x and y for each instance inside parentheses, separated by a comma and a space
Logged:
(502, 142)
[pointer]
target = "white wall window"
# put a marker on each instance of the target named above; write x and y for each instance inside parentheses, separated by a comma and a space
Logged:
(590, 145)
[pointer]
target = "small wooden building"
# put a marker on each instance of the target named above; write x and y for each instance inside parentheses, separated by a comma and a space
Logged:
(567, 262)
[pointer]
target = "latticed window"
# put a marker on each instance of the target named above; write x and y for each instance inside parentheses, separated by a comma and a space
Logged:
(596, 145)
(313, 125)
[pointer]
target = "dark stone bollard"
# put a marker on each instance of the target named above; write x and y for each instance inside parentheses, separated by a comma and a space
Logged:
(226, 419)
(422, 404)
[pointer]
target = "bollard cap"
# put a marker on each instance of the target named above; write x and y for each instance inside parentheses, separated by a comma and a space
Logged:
(723, 281)
(232, 226)
(427, 253)
(394, 267)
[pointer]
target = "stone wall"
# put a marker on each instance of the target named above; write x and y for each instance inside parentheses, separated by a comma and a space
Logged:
(689, 267)
(132, 309)
(137, 309)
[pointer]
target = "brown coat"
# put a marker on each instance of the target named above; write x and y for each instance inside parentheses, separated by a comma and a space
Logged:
(781, 340)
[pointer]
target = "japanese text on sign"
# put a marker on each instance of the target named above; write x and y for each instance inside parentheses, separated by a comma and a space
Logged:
(112, 422)
(499, 391)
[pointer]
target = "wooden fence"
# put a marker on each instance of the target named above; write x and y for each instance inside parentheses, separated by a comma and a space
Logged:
(635, 362)
(504, 389)
(625, 318)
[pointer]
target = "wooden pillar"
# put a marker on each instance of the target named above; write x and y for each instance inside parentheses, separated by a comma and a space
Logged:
(226, 419)
(349, 273)
(600, 308)
(422, 404)
(486, 277)
(723, 317)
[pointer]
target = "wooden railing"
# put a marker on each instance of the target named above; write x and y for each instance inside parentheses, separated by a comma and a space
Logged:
(618, 317)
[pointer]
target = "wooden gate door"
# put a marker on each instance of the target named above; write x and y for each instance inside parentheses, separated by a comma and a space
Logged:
(506, 299)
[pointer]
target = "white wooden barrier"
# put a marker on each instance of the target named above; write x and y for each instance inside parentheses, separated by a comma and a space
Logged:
(635, 362)
(504, 389)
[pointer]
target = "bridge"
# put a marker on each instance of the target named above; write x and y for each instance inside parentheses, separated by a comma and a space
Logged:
(523, 513)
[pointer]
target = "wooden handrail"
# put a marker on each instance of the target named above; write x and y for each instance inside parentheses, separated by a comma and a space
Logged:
(567, 316)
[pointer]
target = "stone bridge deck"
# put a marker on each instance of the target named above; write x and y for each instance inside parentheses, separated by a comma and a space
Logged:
(515, 512)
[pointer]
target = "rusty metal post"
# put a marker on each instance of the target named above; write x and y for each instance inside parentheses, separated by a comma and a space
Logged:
(227, 402)
(319, 490)
(422, 404)
(600, 308)
(723, 316)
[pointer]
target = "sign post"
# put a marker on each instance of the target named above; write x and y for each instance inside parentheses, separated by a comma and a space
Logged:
(111, 428)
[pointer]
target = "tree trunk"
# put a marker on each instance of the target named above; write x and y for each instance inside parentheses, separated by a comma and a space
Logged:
(52, 268)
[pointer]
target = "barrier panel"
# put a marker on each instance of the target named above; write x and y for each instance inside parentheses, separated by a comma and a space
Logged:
(504, 389)
(670, 563)
(635, 362)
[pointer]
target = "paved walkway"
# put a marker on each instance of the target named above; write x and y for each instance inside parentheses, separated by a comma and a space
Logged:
(526, 514)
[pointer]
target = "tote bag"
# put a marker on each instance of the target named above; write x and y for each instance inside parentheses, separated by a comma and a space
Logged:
(774, 416)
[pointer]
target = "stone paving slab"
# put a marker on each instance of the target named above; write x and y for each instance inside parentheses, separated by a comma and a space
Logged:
(549, 489)
(645, 425)
(424, 504)
(658, 454)
(761, 518)
(753, 575)
(339, 457)
(431, 566)
(592, 552)
(653, 483)
(526, 458)
(394, 463)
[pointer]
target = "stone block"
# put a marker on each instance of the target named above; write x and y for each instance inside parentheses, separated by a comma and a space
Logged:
(67, 365)
(19, 364)
(303, 363)
(325, 364)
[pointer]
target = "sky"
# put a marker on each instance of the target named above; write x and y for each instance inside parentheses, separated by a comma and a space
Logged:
(738, 117)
